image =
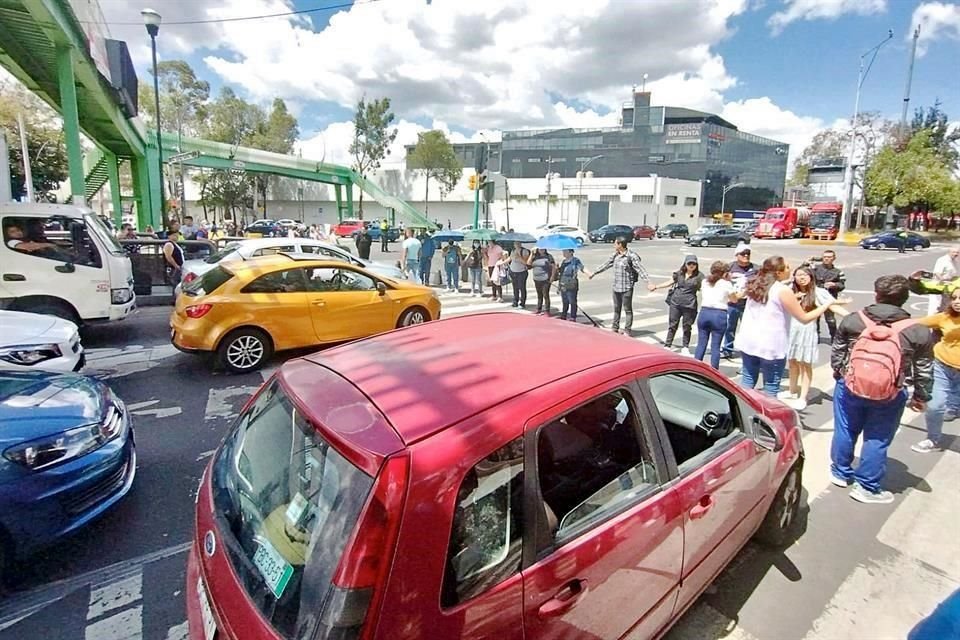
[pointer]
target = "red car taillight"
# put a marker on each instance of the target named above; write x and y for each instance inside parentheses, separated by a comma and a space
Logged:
(361, 577)
(198, 310)
(190, 277)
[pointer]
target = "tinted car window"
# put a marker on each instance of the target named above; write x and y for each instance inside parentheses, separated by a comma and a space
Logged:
(322, 279)
(486, 539)
(593, 462)
(269, 251)
(208, 282)
(699, 417)
(287, 281)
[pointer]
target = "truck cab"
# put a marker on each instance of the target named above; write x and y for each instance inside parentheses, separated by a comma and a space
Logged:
(62, 260)
(783, 222)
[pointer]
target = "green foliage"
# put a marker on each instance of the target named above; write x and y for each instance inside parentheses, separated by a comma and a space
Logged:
(45, 142)
(434, 156)
(913, 175)
(183, 98)
(943, 141)
(372, 137)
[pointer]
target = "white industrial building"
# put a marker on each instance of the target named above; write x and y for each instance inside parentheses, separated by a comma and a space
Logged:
(518, 203)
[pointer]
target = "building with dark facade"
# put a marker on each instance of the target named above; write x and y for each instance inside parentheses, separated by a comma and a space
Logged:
(672, 142)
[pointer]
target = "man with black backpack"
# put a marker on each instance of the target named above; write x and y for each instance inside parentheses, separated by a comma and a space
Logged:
(876, 354)
(627, 270)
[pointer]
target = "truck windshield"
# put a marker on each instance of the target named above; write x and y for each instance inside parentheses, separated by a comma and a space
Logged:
(775, 216)
(286, 503)
(823, 220)
(99, 229)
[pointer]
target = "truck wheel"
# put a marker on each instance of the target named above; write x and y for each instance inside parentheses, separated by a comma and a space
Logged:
(244, 350)
(782, 516)
(51, 308)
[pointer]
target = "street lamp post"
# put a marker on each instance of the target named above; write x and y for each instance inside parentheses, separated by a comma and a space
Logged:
(583, 168)
(151, 20)
(723, 196)
(848, 170)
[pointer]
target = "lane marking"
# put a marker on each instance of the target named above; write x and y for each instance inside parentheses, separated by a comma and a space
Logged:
(126, 625)
(115, 595)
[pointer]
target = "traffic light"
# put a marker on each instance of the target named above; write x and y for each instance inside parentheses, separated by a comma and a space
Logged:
(473, 182)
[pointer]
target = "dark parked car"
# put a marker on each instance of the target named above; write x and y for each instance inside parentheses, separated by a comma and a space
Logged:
(68, 457)
(644, 232)
(889, 240)
(722, 237)
(393, 233)
(266, 228)
(610, 232)
(673, 231)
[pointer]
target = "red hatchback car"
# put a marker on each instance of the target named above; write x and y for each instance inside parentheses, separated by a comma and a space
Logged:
(409, 486)
(346, 228)
(644, 232)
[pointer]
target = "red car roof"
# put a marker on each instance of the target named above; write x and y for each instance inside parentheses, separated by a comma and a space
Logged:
(428, 377)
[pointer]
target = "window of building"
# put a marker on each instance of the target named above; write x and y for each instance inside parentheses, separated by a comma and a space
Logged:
(533, 160)
(592, 463)
(609, 198)
(643, 199)
(486, 540)
(689, 202)
(670, 200)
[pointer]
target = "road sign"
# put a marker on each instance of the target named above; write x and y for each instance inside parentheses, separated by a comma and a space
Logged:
(183, 157)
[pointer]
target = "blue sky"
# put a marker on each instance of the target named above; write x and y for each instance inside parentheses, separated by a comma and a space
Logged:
(780, 68)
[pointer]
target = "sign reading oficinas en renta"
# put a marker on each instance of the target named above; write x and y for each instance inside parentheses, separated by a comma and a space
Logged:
(683, 133)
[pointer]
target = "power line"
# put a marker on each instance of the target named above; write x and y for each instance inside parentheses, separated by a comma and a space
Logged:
(343, 5)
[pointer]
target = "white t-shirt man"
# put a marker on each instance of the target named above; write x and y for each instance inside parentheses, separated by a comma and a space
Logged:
(411, 256)
(945, 269)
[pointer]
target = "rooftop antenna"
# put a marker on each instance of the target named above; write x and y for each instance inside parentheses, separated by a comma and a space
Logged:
(643, 88)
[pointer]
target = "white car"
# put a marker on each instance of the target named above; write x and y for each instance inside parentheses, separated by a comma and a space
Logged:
(246, 249)
(34, 342)
(570, 231)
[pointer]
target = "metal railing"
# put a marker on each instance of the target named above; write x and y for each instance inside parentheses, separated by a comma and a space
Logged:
(149, 266)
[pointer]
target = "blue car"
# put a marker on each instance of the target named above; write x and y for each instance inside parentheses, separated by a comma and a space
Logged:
(393, 233)
(890, 240)
(67, 455)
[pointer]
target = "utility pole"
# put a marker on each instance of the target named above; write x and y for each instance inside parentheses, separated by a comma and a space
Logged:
(24, 149)
(506, 192)
(848, 173)
(906, 92)
(6, 188)
(549, 181)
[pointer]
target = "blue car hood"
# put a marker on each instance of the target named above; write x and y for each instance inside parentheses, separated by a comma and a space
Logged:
(33, 405)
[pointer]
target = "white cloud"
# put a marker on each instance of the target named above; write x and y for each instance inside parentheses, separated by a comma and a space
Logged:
(937, 21)
(823, 10)
(762, 117)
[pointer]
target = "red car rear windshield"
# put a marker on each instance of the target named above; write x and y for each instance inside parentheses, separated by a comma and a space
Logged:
(286, 503)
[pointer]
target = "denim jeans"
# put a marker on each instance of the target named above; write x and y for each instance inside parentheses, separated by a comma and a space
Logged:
(946, 393)
(711, 325)
(519, 281)
(754, 367)
(569, 299)
(623, 300)
(734, 313)
(425, 264)
(413, 269)
(453, 276)
(877, 421)
(476, 280)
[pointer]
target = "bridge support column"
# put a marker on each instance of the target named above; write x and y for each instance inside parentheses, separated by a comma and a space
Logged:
(350, 200)
(338, 188)
(71, 122)
(146, 212)
(113, 174)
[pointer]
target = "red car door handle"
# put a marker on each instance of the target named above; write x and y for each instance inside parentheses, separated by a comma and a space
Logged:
(705, 504)
(564, 600)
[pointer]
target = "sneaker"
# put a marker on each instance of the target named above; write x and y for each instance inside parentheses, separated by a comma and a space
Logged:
(786, 395)
(926, 446)
(950, 415)
(685, 352)
(840, 482)
(727, 355)
(860, 494)
(797, 404)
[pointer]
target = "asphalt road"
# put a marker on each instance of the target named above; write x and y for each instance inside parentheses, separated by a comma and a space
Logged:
(134, 556)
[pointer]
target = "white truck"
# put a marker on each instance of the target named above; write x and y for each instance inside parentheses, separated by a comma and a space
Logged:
(62, 260)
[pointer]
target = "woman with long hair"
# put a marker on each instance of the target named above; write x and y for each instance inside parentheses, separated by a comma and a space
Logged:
(946, 372)
(543, 269)
(716, 292)
(803, 340)
(682, 301)
(765, 328)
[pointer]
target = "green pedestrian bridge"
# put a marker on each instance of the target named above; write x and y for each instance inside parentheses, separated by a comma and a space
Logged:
(61, 58)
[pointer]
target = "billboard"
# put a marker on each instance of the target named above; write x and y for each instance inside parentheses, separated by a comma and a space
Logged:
(683, 133)
(94, 26)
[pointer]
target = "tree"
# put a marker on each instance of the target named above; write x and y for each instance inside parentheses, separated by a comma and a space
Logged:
(372, 137)
(834, 144)
(434, 156)
(912, 176)
(943, 140)
(45, 143)
(277, 134)
(183, 98)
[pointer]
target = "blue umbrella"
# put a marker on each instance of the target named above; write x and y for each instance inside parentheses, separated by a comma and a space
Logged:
(446, 236)
(513, 236)
(557, 242)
